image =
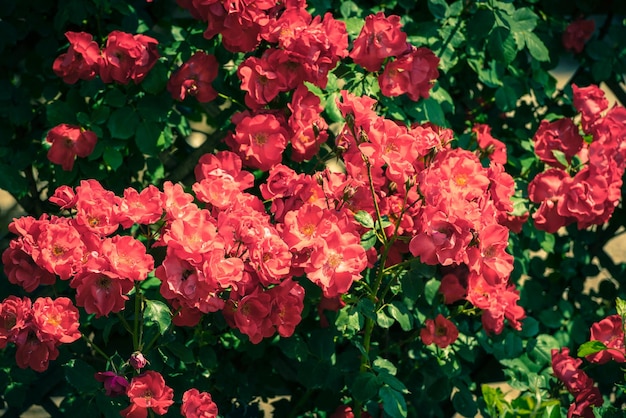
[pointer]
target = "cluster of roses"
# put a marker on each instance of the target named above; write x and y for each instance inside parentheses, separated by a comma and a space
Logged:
(583, 183)
(306, 48)
(125, 57)
(233, 248)
(450, 209)
(610, 332)
(101, 268)
(148, 392)
(37, 328)
(229, 245)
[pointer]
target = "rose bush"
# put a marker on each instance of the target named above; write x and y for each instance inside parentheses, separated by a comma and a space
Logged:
(389, 209)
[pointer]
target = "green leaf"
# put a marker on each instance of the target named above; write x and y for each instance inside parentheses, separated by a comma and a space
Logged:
(381, 365)
(100, 114)
(364, 218)
(368, 240)
(113, 158)
(431, 290)
(480, 24)
(552, 411)
(156, 80)
(107, 406)
(393, 382)
(122, 123)
(365, 386)
(147, 138)
(348, 321)
(81, 375)
(547, 242)
(506, 98)
(601, 70)
(383, 320)
(60, 112)
(591, 347)
(400, 313)
(115, 98)
(348, 9)
(429, 110)
(394, 404)
(439, 8)
(501, 45)
(620, 304)
(180, 351)
(12, 181)
(157, 312)
(366, 308)
(536, 47)
(464, 403)
(525, 19)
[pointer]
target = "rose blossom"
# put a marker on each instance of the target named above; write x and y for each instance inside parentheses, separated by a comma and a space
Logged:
(577, 34)
(68, 142)
(381, 37)
(114, 385)
(559, 135)
(194, 78)
(610, 332)
(128, 57)
(198, 404)
(440, 331)
(148, 391)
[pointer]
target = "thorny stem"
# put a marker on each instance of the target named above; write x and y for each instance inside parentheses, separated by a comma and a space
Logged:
(374, 297)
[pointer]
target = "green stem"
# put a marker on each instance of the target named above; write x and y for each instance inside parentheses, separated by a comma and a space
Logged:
(94, 347)
(125, 323)
(301, 402)
(138, 323)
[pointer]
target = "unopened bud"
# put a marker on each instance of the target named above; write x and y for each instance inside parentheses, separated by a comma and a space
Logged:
(137, 360)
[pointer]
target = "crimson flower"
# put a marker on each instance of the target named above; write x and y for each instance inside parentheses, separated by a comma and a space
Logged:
(440, 331)
(68, 142)
(194, 78)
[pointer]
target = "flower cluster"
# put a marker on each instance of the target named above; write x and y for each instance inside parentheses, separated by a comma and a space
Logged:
(37, 328)
(583, 182)
(409, 70)
(577, 382)
(148, 394)
(102, 269)
(125, 57)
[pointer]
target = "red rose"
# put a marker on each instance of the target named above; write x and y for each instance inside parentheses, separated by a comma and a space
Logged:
(68, 142)
(81, 60)
(577, 34)
(440, 331)
(148, 391)
(128, 57)
(194, 78)
(559, 135)
(609, 331)
(381, 37)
